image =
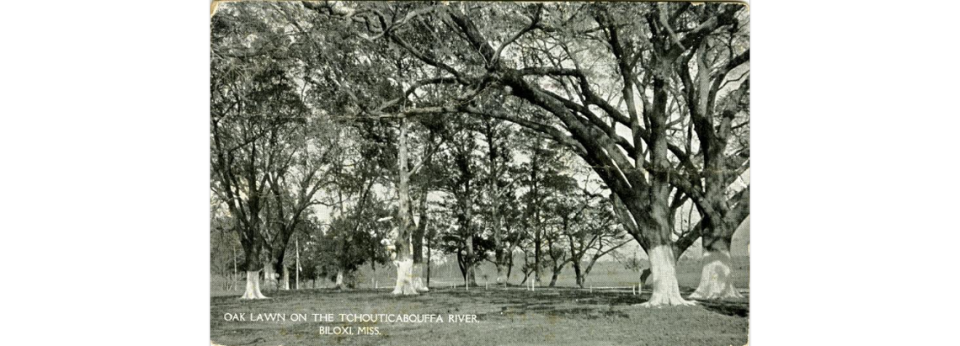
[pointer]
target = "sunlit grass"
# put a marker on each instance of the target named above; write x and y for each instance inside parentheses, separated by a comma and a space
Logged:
(506, 317)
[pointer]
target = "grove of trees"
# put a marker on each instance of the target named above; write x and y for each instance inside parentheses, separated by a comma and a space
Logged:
(371, 133)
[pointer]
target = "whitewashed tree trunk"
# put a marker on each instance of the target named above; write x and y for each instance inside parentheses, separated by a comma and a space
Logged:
(269, 277)
(716, 278)
(666, 290)
(403, 242)
(339, 283)
(285, 279)
(404, 284)
(501, 279)
(417, 278)
(471, 277)
(253, 287)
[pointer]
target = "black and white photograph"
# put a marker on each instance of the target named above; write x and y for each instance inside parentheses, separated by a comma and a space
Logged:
(398, 173)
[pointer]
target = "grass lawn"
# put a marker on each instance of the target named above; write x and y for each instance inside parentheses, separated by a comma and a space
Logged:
(505, 317)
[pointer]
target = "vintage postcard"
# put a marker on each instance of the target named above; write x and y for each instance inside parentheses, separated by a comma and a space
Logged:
(479, 173)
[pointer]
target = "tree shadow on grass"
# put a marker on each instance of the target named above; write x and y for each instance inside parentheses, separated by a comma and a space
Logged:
(558, 302)
(727, 307)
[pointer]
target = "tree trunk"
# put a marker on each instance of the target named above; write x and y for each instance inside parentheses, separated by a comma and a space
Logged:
(339, 283)
(417, 243)
(716, 277)
(253, 286)
(285, 279)
(404, 284)
(509, 268)
(553, 278)
(403, 244)
(645, 275)
(470, 279)
(500, 259)
(578, 273)
(417, 280)
(501, 279)
(584, 276)
(270, 277)
(236, 275)
(297, 268)
(252, 246)
(428, 261)
(536, 252)
(470, 275)
(666, 290)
